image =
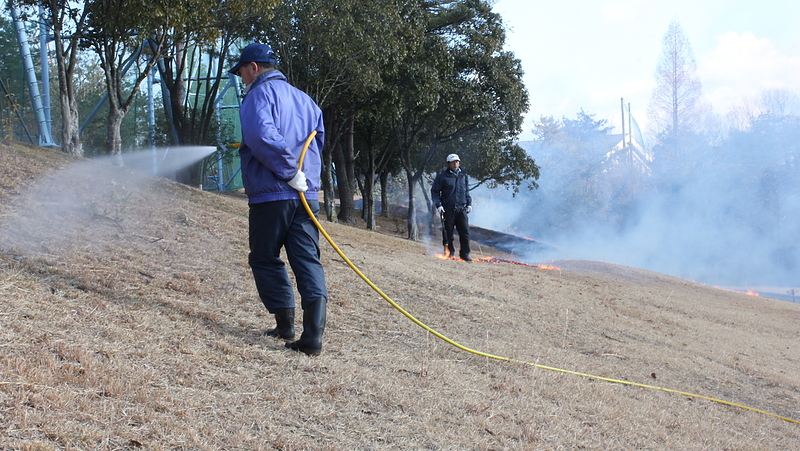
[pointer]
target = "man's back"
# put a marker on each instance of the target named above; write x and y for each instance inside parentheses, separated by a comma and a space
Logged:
(277, 118)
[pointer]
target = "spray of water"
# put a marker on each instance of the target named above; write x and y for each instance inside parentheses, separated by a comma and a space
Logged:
(164, 161)
(56, 207)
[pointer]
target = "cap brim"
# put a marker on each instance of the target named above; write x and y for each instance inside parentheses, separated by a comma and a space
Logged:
(236, 68)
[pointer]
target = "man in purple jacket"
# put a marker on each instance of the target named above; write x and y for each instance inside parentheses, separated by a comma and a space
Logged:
(276, 119)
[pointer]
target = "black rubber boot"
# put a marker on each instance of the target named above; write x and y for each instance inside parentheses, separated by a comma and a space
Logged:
(285, 329)
(314, 317)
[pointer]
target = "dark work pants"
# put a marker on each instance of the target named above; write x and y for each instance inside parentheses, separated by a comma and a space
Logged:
(285, 224)
(459, 220)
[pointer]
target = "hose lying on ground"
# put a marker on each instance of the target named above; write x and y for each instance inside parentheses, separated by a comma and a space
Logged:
(491, 356)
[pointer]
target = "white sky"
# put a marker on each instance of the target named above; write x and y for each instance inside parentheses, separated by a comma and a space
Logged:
(590, 53)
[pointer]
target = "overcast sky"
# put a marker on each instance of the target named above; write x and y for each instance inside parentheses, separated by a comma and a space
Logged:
(590, 53)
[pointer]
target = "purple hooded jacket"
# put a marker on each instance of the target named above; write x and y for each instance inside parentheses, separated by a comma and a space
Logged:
(276, 120)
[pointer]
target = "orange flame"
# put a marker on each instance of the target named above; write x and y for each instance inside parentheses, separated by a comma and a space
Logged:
(748, 292)
(444, 257)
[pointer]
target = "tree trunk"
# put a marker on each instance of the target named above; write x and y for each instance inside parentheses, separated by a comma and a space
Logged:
(350, 154)
(177, 93)
(71, 127)
(113, 134)
(327, 182)
(332, 134)
(360, 188)
(345, 176)
(70, 122)
(429, 203)
(342, 185)
(384, 194)
(413, 230)
(368, 203)
(116, 112)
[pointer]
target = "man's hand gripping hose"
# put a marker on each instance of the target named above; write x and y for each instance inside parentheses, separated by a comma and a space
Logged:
(483, 354)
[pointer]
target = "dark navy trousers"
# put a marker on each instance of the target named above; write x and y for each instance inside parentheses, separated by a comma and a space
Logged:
(285, 224)
(458, 219)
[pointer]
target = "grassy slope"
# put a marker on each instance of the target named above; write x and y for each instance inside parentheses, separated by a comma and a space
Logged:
(129, 320)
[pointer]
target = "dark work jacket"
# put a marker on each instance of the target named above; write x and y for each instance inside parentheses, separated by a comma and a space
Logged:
(450, 190)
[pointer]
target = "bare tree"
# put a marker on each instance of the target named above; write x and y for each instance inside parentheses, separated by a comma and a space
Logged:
(740, 116)
(777, 102)
(675, 106)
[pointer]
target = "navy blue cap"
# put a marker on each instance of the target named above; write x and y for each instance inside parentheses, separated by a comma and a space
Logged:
(255, 52)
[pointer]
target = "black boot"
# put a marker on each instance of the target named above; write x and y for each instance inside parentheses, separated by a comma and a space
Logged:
(285, 328)
(314, 316)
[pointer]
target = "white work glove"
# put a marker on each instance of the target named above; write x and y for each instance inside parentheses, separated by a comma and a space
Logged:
(298, 182)
(440, 209)
(469, 209)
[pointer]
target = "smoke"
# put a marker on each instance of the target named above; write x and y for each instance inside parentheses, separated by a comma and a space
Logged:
(725, 227)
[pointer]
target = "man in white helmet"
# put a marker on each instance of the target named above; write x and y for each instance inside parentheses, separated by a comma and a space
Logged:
(450, 195)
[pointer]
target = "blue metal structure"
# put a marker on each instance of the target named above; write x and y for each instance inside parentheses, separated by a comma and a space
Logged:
(37, 100)
(221, 183)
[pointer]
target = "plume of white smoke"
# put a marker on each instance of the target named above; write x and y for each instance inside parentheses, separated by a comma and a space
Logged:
(701, 230)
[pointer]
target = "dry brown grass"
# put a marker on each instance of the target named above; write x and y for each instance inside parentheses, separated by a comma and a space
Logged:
(129, 320)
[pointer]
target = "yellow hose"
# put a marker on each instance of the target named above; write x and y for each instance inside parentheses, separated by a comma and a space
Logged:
(483, 354)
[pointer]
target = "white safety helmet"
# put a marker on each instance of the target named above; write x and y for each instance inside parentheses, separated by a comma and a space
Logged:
(453, 157)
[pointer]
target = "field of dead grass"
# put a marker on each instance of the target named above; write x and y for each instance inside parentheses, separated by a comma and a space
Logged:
(129, 320)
